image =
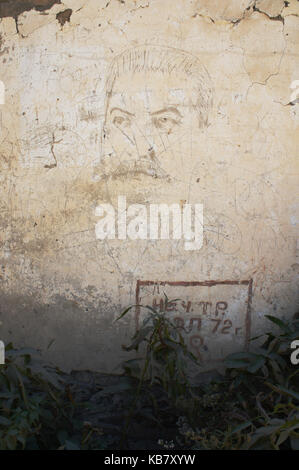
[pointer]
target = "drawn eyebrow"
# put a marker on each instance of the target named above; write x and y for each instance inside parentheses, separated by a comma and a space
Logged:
(122, 111)
(165, 110)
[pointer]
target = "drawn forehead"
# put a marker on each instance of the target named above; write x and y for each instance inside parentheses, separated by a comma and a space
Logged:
(156, 81)
(148, 93)
(152, 90)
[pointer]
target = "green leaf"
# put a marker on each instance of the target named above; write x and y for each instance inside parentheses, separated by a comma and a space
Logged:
(235, 363)
(71, 445)
(125, 312)
(11, 442)
(151, 309)
(243, 356)
(282, 437)
(46, 374)
(255, 366)
(279, 323)
(22, 440)
(139, 337)
(241, 427)
(283, 390)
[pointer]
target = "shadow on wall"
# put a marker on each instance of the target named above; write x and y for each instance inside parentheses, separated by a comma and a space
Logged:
(67, 334)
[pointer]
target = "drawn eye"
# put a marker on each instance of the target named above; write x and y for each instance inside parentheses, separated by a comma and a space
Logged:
(165, 123)
(122, 122)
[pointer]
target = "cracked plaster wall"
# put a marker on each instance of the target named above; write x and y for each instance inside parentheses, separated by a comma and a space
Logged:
(57, 281)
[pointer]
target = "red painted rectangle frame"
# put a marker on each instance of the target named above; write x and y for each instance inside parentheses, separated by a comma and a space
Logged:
(248, 283)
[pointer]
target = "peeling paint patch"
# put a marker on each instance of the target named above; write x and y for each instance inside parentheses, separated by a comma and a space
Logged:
(14, 8)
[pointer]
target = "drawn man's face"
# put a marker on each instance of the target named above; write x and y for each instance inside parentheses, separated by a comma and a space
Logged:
(150, 120)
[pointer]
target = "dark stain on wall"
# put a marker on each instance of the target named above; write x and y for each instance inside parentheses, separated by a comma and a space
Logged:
(14, 8)
(64, 16)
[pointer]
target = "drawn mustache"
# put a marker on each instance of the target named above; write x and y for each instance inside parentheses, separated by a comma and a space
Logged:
(133, 167)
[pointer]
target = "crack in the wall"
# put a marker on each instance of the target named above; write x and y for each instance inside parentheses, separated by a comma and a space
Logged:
(203, 16)
(53, 165)
(17, 26)
(273, 74)
(272, 18)
(251, 8)
(14, 8)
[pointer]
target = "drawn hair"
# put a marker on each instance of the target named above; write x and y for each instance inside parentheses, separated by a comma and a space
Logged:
(168, 61)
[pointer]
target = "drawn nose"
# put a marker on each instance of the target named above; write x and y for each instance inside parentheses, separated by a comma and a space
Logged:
(143, 146)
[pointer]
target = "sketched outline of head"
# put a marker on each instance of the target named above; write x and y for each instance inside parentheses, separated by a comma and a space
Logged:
(168, 60)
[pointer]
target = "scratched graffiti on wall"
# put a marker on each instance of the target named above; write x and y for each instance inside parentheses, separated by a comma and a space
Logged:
(155, 97)
(158, 105)
(214, 316)
(203, 111)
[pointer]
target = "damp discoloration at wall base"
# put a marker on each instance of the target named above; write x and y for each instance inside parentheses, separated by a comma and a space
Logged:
(161, 102)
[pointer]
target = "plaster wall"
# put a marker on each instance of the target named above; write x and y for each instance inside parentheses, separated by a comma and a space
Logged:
(159, 101)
